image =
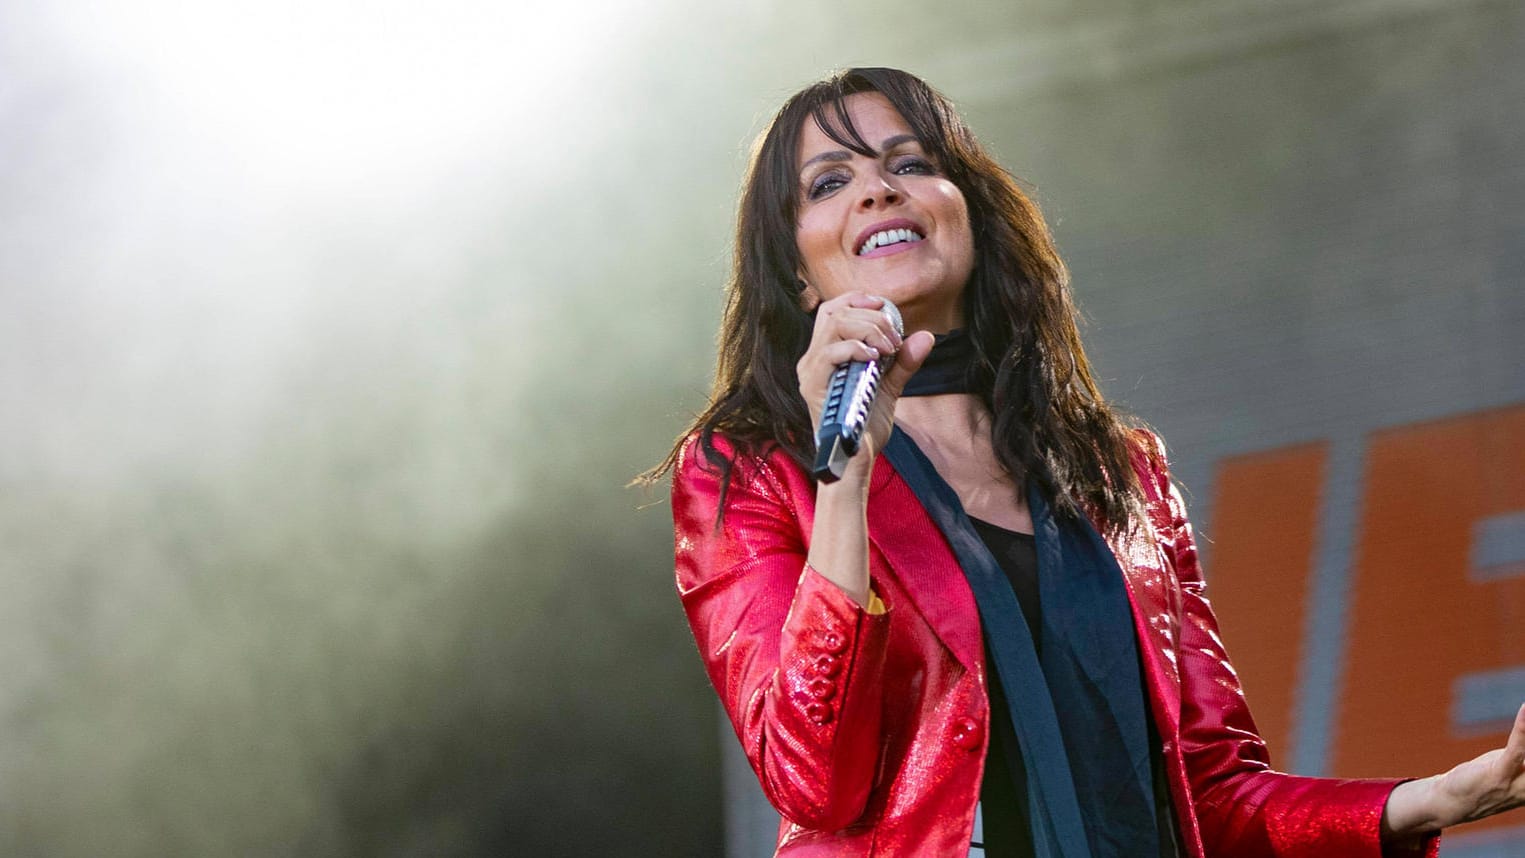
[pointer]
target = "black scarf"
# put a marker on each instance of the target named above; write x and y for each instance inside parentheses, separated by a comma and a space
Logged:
(1089, 783)
(947, 368)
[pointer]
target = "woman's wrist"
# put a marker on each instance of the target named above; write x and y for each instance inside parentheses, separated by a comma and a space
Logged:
(852, 486)
(1410, 811)
(839, 535)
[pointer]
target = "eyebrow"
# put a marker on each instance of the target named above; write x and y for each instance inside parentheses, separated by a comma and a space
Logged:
(844, 155)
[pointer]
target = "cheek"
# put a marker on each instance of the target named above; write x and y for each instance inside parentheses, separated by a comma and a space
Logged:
(966, 244)
(814, 240)
(955, 209)
(958, 215)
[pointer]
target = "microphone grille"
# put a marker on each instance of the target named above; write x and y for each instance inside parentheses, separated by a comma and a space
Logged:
(893, 314)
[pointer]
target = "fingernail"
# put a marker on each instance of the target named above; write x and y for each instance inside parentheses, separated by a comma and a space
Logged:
(873, 352)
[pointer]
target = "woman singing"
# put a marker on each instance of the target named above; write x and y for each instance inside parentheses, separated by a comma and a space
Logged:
(999, 602)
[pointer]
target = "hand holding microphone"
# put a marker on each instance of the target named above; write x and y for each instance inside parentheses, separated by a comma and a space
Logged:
(851, 376)
(849, 397)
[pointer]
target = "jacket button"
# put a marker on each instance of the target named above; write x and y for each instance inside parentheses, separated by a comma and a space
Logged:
(822, 689)
(818, 713)
(825, 665)
(967, 734)
(833, 642)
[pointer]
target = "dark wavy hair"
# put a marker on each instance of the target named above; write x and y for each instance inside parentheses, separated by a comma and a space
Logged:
(1051, 423)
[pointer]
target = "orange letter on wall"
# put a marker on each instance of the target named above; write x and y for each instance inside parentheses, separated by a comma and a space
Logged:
(1264, 519)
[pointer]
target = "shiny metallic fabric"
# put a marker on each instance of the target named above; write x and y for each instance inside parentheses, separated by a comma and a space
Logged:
(868, 732)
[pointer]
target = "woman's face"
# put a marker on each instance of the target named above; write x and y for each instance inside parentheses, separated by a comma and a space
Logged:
(890, 225)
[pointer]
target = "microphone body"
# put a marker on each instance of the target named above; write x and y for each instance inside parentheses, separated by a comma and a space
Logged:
(849, 399)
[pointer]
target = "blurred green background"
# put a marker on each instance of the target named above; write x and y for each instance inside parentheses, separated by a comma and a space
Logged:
(330, 333)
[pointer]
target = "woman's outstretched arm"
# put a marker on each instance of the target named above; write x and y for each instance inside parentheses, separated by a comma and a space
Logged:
(1242, 802)
(1244, 807)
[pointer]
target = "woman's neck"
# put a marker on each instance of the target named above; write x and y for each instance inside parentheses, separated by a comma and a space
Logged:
(955, 419)
(953, 430)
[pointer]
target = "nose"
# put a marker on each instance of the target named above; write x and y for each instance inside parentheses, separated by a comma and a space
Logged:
(878, 193)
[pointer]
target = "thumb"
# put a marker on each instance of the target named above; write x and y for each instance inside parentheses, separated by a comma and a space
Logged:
(1513, 757)
(912, 354)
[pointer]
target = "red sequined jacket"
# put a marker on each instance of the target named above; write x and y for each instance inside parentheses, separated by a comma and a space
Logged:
(868, 732)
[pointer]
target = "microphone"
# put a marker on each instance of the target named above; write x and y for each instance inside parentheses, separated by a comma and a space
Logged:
(849, 398)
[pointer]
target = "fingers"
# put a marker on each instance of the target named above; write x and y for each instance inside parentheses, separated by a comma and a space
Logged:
(842, 351)
(855, 316)
(913, 353)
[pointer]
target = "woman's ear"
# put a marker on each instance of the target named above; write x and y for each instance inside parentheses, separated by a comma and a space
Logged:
(809, 297)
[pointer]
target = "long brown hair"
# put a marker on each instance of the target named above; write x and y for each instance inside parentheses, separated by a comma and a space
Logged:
(1051, 423)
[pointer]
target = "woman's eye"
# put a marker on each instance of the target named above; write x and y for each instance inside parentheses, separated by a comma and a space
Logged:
(914, 166)
(824, 185)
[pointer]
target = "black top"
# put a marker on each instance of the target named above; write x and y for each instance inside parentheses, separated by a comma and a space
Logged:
(1018, 555)
(1007, 830)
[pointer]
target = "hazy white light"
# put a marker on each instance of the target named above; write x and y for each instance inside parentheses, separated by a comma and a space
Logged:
(332, 93)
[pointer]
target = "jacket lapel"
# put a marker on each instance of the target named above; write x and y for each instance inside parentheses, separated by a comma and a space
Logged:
(924, 564)
(1155, 619)
(927, 569)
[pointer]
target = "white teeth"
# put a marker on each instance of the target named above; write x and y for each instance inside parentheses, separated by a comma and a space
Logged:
(889, 236)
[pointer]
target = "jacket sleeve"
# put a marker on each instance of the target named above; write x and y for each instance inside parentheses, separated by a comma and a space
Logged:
(1244, 807)
(796, 661)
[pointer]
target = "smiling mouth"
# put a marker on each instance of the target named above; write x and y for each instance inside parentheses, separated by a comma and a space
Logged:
(887, 237)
